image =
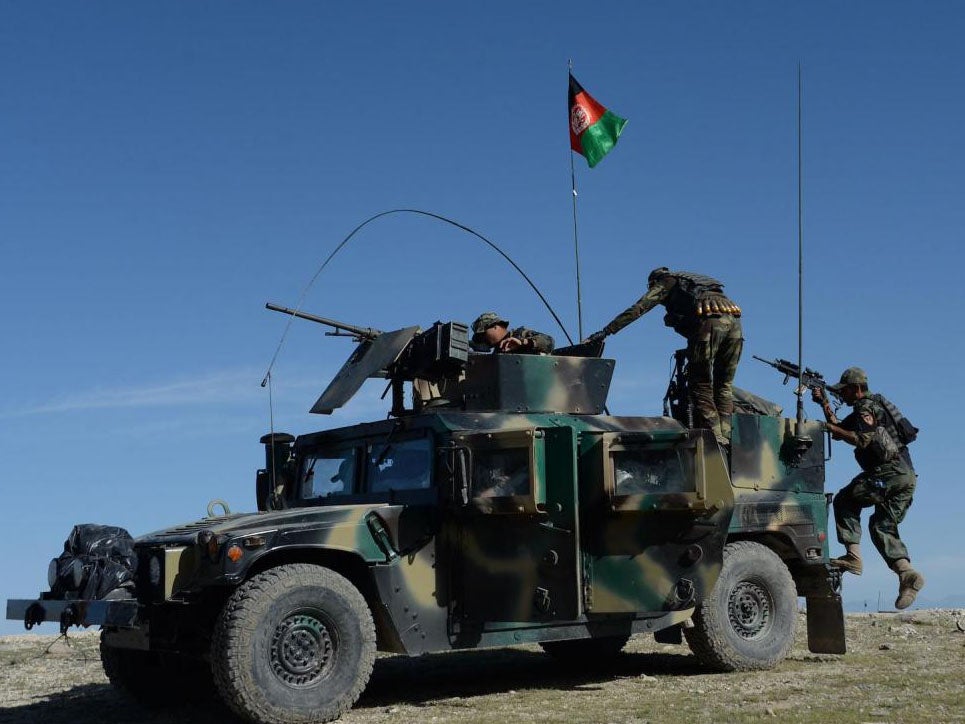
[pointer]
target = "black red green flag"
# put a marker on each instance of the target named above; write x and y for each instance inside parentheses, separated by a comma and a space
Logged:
(593, 129)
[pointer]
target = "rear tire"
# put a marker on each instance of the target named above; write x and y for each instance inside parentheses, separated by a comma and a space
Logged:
(293, 644)
(590, 651)
(748, 620)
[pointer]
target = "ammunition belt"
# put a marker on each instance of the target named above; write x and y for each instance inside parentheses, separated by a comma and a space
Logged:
(718, 305)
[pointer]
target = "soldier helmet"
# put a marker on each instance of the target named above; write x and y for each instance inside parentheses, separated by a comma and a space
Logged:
(483, 322)
(658, 273)
(851, 376)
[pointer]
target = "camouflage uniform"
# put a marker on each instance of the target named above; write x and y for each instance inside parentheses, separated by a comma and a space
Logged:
(698, 310)
(887, 482)
(539, 343)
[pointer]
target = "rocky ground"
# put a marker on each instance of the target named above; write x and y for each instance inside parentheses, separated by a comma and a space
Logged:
(900, 668)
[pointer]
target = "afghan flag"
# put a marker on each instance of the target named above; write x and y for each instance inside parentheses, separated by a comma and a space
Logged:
(593, 129)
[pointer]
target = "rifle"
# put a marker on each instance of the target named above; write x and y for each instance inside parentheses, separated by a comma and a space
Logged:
(809, 378)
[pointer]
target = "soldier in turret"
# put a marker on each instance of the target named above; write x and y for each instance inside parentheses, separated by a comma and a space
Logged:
(887, 480)
(698, 310)
(492, 332)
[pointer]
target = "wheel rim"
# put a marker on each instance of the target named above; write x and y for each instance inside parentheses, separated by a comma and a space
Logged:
(302, 649)
(749, 609)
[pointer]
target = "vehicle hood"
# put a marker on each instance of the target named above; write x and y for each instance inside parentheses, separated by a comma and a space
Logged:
(261, 522)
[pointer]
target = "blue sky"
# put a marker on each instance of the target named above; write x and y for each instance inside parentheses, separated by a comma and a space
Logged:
(167, 167)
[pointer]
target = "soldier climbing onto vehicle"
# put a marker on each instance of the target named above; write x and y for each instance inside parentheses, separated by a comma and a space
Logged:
(880, 434)
(698, 310)
(490, 331)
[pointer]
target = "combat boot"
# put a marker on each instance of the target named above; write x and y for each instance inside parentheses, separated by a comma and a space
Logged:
(910, 582)
(850, 561)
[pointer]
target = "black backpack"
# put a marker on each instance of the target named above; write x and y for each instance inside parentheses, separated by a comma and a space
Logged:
(907, 433)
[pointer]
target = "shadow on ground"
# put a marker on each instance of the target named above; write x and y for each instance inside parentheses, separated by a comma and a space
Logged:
(395, 680)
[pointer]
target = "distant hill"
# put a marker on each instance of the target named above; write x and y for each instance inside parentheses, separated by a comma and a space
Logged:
(857, 605)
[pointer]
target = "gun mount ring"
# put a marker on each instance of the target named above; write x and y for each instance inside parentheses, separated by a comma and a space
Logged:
(225, 510)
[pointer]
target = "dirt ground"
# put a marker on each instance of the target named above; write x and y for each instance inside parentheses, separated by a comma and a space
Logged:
(900, 668)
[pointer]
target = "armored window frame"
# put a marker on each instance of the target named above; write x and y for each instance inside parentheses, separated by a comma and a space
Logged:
(687, 492)
(529, 444)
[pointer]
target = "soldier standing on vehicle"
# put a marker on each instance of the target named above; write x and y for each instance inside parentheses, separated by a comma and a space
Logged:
(698, 310)
(492, 331)
(887, 480)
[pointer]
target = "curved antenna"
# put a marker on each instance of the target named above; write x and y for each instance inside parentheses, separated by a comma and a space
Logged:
(301, 297)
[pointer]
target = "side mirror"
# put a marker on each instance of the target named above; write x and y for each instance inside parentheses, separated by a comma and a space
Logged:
(262, 490)
(278, 452)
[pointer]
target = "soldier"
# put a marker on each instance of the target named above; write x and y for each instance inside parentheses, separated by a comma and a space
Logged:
(698, 310)
(887, 481)
(492, 332)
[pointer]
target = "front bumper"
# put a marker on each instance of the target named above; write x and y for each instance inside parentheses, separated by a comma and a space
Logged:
(117, 613)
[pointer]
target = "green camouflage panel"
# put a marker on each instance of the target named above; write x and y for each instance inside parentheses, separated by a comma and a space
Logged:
(713, 353)
(187, 566)
(777, 489)
(890, 490)
(537, 383)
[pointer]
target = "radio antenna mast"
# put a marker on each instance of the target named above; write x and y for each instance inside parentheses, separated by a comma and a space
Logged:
(800, 262)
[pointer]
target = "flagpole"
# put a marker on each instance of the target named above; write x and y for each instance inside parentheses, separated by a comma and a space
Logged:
(576, 241)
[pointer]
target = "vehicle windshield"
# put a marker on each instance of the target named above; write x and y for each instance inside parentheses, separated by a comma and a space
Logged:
(399, 465)
(327, 472)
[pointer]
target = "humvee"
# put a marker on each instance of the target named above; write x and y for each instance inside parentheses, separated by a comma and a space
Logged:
(499, 505)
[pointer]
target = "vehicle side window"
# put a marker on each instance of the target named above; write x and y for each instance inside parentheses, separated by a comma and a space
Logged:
(331, 472)
(402, 465)
(501, 473)
(648, 470)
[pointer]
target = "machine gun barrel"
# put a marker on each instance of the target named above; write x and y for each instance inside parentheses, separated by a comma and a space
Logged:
(360, 332)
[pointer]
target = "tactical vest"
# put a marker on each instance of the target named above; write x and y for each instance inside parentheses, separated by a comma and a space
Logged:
(693, 297)
(898, 426)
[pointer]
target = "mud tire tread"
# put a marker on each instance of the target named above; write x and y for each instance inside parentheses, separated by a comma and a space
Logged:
(236, 631)
(713, 640)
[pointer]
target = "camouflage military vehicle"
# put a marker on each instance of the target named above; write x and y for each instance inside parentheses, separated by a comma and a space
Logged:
(497, 505)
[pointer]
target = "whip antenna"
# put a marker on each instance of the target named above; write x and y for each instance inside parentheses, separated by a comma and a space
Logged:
(800, 261)
(431, 215)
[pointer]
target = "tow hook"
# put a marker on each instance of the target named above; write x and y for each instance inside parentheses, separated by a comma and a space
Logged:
(68, 618)
(33, 616)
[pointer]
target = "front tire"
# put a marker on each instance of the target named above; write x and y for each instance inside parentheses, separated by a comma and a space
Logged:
(748, 620)
(293, 644)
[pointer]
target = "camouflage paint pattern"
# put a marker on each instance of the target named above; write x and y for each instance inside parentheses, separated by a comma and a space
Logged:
(776, 492)
(713, 352)
(566, 556)
(537, 383)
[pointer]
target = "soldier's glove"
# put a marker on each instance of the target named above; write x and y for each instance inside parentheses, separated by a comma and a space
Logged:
(595, 337)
